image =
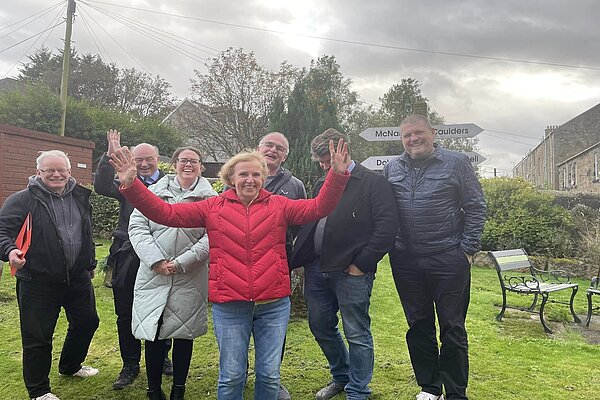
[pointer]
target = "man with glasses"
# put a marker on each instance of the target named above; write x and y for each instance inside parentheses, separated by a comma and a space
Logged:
(275, 148)
(122, 257)
(55, 272)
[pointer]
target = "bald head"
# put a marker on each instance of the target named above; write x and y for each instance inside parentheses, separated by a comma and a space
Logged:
(146, 159)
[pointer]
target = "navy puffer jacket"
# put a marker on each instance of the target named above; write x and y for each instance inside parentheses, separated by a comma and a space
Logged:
(440, 205)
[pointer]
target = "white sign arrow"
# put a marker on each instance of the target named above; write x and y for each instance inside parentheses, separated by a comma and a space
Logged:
(475, 158)
(376, 163)
(450, 131)
(381, 134)
(454, 131)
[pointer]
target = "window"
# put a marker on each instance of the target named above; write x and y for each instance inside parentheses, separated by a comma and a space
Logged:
(595, 167)
(574, 174)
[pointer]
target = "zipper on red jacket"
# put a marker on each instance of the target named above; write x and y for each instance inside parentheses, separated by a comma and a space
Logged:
(248, 252)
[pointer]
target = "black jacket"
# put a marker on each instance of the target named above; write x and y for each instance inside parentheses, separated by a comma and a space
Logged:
(121, 254)
(441, 206)
(46, 260)
(106, 185)
(359, 231)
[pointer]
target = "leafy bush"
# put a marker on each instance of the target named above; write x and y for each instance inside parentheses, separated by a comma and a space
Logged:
(519, 216)
(105, 214)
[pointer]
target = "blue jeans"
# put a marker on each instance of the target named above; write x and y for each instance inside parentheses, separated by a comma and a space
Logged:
(233, 324)
(325, 294)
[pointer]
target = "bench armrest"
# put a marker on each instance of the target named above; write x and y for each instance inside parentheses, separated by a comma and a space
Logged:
(522, 282)
(554, 276)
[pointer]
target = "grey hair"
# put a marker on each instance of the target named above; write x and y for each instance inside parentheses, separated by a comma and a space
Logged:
(281, 135)
(52, 153)
(416, 118)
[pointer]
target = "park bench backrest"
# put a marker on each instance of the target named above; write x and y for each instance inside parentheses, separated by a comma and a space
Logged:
(506, 260)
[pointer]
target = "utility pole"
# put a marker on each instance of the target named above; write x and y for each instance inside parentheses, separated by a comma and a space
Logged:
(64, 83)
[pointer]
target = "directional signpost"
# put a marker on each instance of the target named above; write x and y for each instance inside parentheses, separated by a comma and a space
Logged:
(449, 131)
(376, 163)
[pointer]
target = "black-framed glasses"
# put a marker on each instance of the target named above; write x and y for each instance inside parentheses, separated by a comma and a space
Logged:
(184, 161)
(51, 171)
(271, 145)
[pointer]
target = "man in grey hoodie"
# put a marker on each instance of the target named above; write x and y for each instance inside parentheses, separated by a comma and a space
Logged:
(54, 273)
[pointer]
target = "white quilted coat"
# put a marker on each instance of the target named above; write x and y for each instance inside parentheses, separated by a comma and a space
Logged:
(180, 298)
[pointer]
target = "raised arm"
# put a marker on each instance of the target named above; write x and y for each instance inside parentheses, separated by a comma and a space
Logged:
(181, 215)
(104, 178)
(303, 211)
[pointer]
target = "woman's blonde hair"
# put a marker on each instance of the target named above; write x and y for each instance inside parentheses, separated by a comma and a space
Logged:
(226, 172)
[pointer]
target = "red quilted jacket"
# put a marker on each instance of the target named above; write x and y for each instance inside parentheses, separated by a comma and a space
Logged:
(247, 244)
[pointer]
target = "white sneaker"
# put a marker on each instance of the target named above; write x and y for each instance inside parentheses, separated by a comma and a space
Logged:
(47, 396)
(429, 396)
(86, 372)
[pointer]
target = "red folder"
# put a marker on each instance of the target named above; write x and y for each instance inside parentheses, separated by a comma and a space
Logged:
(23, 240)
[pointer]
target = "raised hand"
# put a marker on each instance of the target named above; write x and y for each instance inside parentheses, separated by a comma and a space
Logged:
(122, 161)
(113, 137)
(340, 159)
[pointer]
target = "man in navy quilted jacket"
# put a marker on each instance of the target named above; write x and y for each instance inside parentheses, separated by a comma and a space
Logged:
(441, 210)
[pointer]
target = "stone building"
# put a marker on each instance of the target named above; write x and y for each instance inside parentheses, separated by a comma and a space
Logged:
(567, 157)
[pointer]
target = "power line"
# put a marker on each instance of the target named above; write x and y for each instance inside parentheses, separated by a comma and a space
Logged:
(513, 134)
(31, 37)
(42, 13)
(95, 39)
(52, 21)
(33, 15)
(511, 140)
(142, 29)
(358, 43)
(121, 47)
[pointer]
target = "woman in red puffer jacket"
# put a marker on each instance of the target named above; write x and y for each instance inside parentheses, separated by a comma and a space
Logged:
(248, 278)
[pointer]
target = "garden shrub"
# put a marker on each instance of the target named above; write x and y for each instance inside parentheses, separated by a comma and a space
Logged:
(520, 216)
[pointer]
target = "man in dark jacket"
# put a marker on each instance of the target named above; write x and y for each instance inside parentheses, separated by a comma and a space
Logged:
(122, 257)
(442, 212)
(55, 272)
(275, 148)
(340, 255)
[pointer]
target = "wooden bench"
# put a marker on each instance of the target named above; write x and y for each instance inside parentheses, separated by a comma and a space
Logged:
(536, 282)
(592, 290)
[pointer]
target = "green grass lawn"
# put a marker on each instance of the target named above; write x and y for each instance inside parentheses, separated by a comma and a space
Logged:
(512, 359)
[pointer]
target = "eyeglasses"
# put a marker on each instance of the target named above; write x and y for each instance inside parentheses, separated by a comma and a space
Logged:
(140, 160)
(51, 171)
(271, 145)
(184, 161)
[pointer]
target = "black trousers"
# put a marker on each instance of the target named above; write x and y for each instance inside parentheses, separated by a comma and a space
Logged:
(155, 353)
(429, 285)
(39, 307)
(126, 264)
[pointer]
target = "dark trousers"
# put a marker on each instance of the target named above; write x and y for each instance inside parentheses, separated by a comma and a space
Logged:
(126, 264)
(155, 353)
(429, 285)
(39, 308)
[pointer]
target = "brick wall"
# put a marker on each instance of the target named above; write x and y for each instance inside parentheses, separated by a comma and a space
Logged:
(19, 148)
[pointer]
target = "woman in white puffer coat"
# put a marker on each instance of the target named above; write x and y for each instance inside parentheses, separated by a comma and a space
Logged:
(170, 294)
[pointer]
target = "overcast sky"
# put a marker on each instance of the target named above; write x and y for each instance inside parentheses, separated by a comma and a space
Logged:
(512, 101)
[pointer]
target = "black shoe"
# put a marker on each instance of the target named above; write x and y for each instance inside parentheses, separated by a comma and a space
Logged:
(177, 392)
(330, 391)
(167, 367)
(156, 394)
(126, 376)
(283, 393)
